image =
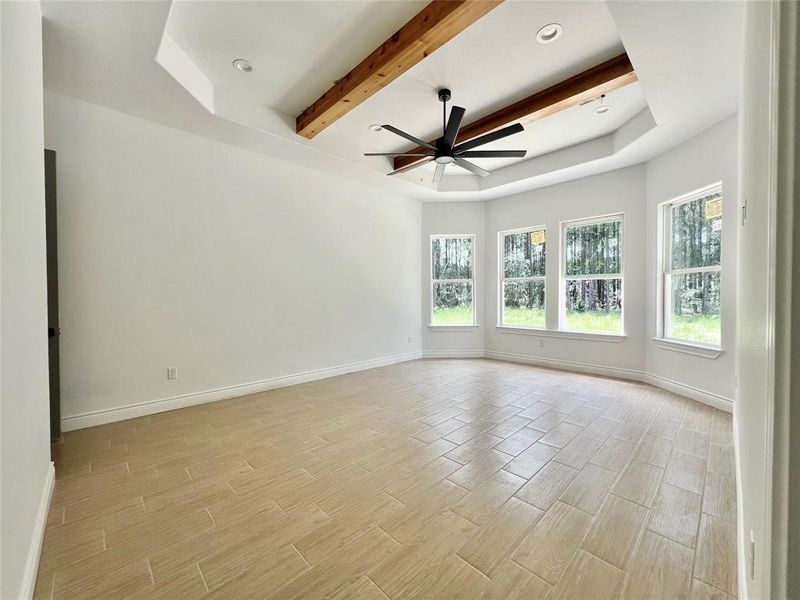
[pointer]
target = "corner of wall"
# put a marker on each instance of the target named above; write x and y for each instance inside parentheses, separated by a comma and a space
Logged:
(35, 548)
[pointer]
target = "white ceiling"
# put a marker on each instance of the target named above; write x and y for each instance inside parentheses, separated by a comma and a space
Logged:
(562, 130)
(299, 48)
(104, 53)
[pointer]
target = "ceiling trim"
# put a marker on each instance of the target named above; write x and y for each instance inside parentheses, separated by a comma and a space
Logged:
(600, 79)
(431, 28)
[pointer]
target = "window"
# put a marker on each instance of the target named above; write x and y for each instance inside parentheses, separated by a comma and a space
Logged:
(592, 275)
(522, 285)
(692, 267)
(452, 282)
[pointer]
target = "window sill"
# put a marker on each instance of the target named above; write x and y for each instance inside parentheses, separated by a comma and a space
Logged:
(569, 335)
(688, 348)
(453, 327)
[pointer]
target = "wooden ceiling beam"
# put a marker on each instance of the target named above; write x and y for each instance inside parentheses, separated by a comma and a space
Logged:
(601, 79)
(431, 28)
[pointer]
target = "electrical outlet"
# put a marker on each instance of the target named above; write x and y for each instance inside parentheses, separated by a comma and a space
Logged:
(409, 339)
(172, 373)
(541, 343)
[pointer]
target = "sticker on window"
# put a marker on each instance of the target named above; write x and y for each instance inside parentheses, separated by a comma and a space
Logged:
(716, 225)
(537, 237)
(714, 207)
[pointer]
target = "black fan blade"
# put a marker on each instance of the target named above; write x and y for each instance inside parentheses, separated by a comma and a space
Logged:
(437, 175)
(398, 154)
(465, 164)
(408, 136)
(493, 154)
(409, 167)
(453, 125)
(490, 137)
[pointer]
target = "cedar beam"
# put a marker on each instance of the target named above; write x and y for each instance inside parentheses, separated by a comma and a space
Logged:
(431, 28)
(601, 79)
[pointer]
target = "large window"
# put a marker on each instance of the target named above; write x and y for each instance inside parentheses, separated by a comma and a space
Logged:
(522, 278)
(692, 266)
(452, 280)
(592, 275)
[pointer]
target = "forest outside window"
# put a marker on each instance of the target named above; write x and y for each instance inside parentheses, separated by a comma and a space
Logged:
(692, 268)
(522, 284)
(592, 275)
(452, 280)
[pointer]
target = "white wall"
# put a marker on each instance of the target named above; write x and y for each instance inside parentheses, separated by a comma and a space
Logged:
(701, 161)
(619, 191)
(179, 251)
(453, 218)
(24, 414)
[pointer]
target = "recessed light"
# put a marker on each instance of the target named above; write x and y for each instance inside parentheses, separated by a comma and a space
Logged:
(549, 33)
(243, 65)
(375, 128)
(602, 108)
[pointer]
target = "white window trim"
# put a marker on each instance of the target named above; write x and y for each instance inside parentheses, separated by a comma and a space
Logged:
(562, 276)
(664, 271)
(501, 255)
(568, 335)
(462, 326)
(693, 348)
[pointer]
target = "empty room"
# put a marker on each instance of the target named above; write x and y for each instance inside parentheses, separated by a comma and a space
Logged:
(399, 299)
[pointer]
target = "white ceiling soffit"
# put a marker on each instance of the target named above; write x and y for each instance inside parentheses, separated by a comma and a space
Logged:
(687, 55)
(103, 53)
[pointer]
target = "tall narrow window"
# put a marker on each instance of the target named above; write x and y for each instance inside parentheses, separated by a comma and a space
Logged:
(592, 275)
(452, 280)
(692, 267)
(522, 279)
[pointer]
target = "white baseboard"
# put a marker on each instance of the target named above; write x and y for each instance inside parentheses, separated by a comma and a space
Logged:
(566, 365)
(99, 417)
(741, 539)
(670, 385)
(452, 354)
(682, 389)
(35, 548)
(110, 415)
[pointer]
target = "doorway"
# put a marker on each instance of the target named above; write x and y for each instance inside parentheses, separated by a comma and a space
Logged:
(53, 327)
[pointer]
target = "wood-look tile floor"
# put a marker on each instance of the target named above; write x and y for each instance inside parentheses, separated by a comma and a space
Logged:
(427, 479)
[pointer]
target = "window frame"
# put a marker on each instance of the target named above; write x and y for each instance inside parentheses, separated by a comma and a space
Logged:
(665, 272)
(563, 278)
(471, 281)
(501, 255)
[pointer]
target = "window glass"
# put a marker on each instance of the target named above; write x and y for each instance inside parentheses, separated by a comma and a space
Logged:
(452, 303)
(696, 238)
(695, 314)
(692, 269)
(452, 258)
(523, 303)
(522, 281)
(592, 277)
(523, 257)
(594, 249)
(452, 285)
(594, 305)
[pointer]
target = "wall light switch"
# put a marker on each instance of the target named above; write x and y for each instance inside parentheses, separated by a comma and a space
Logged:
(172, 373)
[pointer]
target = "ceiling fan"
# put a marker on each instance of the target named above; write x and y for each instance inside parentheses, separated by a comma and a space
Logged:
(445, 151)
